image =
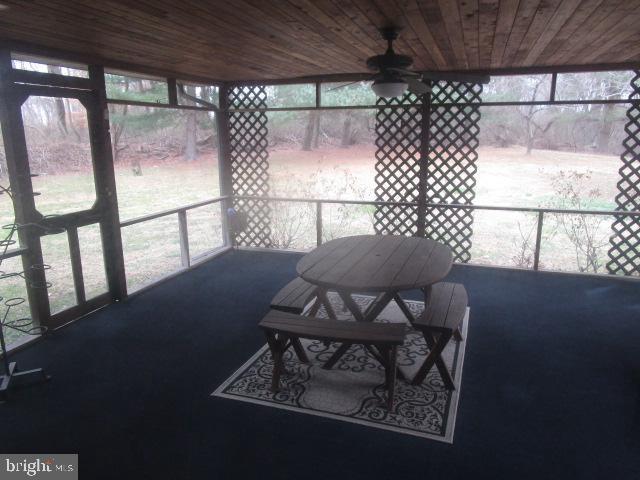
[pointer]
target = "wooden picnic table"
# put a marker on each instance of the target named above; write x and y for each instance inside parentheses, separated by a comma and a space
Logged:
(382, 264)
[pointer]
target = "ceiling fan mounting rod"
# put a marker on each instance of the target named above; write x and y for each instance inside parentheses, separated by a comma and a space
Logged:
(389, 34)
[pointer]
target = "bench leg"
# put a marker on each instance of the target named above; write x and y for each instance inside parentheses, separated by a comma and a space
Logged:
(390, 374)
(434, 358)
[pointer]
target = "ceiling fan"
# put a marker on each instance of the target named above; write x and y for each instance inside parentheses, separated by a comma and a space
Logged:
(392, 79)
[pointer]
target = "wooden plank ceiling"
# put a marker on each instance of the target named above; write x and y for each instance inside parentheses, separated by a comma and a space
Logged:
(258, 39)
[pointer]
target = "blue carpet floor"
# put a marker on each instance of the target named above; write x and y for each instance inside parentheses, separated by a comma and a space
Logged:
(550, 388)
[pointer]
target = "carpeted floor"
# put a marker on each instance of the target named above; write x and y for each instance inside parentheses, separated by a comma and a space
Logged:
(551, 386)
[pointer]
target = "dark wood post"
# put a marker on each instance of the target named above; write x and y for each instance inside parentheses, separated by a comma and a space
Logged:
(172, 88)
(15, 146)
(425, 139)
(105, 182)
(224, 159)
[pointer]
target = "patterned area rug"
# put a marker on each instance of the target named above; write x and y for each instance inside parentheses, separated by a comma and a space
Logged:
(353, 390)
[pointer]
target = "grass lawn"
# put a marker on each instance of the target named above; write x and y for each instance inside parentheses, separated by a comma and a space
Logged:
(505, 177)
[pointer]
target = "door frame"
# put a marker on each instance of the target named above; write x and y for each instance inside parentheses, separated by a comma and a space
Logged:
(16, 86)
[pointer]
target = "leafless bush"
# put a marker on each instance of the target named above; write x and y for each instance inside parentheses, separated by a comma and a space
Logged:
(525, 247)
(293, 223)
(583, 231)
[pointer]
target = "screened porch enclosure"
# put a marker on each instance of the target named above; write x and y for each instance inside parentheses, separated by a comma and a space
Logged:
(532, 171)
(358, 238)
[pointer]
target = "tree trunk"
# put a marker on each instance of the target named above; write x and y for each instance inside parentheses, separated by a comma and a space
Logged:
(61, 117)
(530, 136)
(316, 131)
(307, 141)
(346, 132)
(118, 128)
(67, 107)
(604, 132)
(190, 143)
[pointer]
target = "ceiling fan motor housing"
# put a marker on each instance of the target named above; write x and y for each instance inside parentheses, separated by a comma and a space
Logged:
(389, 60)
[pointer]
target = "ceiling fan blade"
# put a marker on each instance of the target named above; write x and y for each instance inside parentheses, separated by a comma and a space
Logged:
(416, 86)
(457, 77)
(345, 85)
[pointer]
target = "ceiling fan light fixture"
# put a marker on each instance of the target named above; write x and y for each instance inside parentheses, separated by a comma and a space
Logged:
(389, 88)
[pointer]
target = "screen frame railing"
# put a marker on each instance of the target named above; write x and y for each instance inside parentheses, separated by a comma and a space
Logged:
(186, 259)
(539, 211)
(183, 231)
(188, 262)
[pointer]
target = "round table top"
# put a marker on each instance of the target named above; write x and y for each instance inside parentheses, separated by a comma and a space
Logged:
(376, 263)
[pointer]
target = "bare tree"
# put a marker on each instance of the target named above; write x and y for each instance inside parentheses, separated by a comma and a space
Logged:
(190, 142)
(311, 131)
(532, 127)
(60, 112)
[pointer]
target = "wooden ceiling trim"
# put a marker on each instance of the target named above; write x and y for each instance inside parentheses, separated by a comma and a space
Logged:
(334, 12)
(254, 39)
(624, 31)
(570, 28)
(389, 12)
(629, 49)
(378, 14)
(452, 20)
(309, 12)
(487, 26)
(415, 21)
(432, 17)
(232, 54)
(606, 14)
(560, 18)
(308, 15)
(120, 37)
(525, 15)
(71, 56)
(299, 34)
(543, 16)
(270, 34)
(625, 16)
(470, 15)
(506, 17)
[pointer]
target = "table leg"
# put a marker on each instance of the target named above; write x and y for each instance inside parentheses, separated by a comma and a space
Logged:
(371, 313)
(324, 300)
(342, 349)
(403, 306)
(351, 305)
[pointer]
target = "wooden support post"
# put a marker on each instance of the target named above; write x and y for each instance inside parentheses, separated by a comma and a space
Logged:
(105, 181)
(17, 159)
(183, 232)
(425, 137)
(224, 161)
(172, 88)
(318, 94)
(318, 223)
(76, 264)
